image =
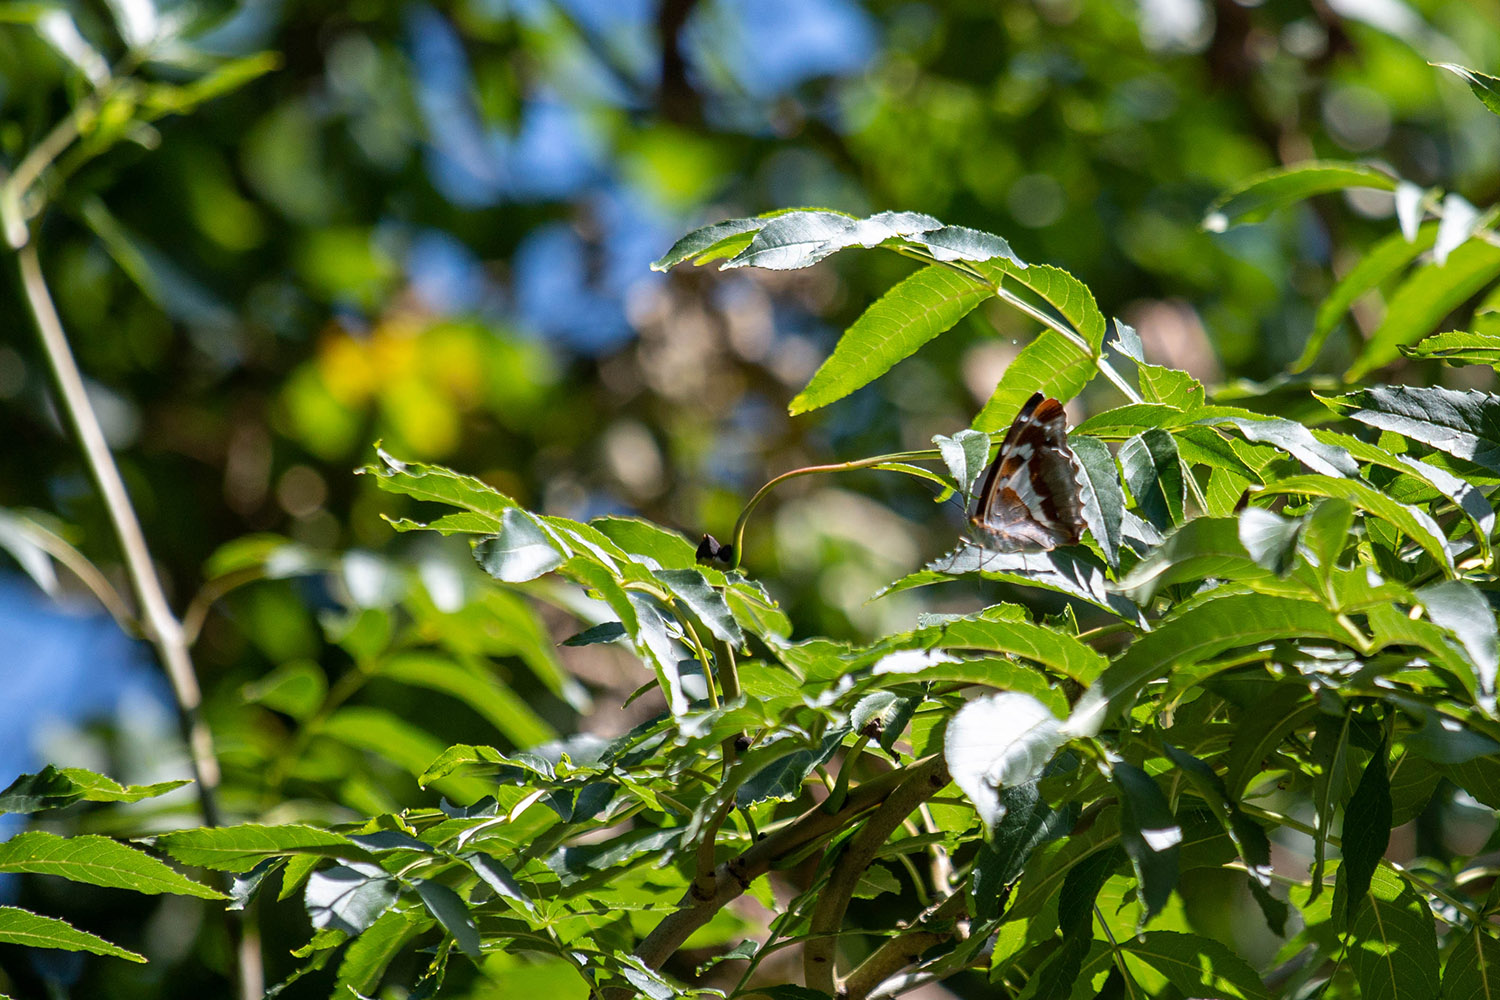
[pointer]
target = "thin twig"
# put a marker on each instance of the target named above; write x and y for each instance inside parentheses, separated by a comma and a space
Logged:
(159, 625)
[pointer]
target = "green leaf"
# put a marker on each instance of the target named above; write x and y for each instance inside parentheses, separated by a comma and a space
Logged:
(1214, 547)
(1485, 87)
(365, 960)
(55, 787)
(1393, 944)
(1195, 634)
(1424, 298)
(1459, 607)
(1150, 836)
(1296, 440)
(475, 686)
(97, 861)
(349, 898)
(1101, 493)
(440, 485)
(1417, 524)
(795, 240)
(1384, 260)
(950, 243)
(1153, 471)
(966, 454)
(710, 243)
(998, 741)
(601, 633)
(1256, 198)
(907, 316)
(640, 537)
(451, 911)
(241, 848)
(499, 878)
(31, 930)
(1464, 424)
(876, 880)
(521, 551)
(296, 688)
(1473, 969)
(1458, 347)
(692, 588)
(1005, 628)
(1198, 966)
(1051, 364)
(1077, 573)
(1367, 829)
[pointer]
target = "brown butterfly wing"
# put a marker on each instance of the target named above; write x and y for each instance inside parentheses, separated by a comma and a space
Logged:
(1030, 497)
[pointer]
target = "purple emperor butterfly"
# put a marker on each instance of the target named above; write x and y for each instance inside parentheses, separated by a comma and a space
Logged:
(1030, 495)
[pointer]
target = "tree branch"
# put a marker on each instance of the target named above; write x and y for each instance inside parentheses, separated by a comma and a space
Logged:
(905, 948)
(828, 916)
(734, 876)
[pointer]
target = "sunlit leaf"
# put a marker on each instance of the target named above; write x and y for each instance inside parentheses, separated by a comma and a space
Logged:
(96, 861)
(30, 930)
(997, 742)
(1256, 198)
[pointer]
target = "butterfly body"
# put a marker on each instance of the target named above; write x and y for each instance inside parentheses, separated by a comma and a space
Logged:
(1030, 498)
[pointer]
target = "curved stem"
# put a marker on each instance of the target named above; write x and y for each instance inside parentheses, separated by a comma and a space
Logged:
(78, 564)
(159, 624)
(808, 470)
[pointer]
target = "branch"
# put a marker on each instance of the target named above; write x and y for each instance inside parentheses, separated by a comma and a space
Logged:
(158, 623)
(905, 948)
(828, 915)
(734, 876)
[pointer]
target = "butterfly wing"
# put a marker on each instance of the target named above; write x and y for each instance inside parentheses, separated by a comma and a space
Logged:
(1030, 497)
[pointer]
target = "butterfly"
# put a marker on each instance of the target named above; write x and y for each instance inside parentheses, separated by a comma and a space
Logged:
(1030, 496)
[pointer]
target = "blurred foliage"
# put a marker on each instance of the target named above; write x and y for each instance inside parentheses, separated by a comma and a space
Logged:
(286, 231)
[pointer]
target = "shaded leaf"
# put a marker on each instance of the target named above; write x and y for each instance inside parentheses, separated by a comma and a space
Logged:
(450, 910)
(1256, 198)
(1393, 943)
(1102, 496)
(1367, 829)
(350, 897)
(1150, 836)
(1153, 471)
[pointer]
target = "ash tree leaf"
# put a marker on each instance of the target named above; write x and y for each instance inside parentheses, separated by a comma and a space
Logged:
(241, 848)
(1459, 607)
(603, 632)
(1458, 347)
(97, 861)
(1484, 86)
(1428, 294)
(349, 897)
(1198, 966)
(1473, 969)
(640, 538)
(998, 741)
(451, 911)
(796, 239)
(692, 588)
(1297, 441)
(1367, 828)
(499, 878)
(1215, 547)
(884, 226)
(966, 454)
(1055, 979)
(1150, 836)
(440, 485)
(1414, 522)
(1464, 424)
(366, 958)
(1249, 838)
(1256, 198)
(907, 316)
(782, 778)
(1392, 945)
(951, 243)
(1006, 628)
(474, 685)
(1198, 633)
(1457, 225)
(1052, 364)
(1101, 493)
(704, 245)
(1077, 573)
(521, 551)
(1153, 471)
(1028, 823)
(31, 930)
(55, 787)
(1382, 262)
